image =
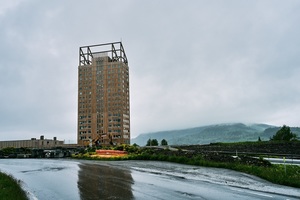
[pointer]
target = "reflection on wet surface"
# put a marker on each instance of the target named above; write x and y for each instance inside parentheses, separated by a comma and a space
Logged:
(48, 179)
(44, 169)
(104, 182)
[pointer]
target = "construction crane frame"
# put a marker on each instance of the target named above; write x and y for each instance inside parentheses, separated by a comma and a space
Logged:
(114, 50)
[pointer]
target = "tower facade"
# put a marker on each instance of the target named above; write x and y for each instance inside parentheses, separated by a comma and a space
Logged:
(103, 95)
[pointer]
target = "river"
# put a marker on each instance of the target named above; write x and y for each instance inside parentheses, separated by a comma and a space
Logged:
(48, 179)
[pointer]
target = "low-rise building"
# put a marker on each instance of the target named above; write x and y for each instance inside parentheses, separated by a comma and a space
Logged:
(41, 143)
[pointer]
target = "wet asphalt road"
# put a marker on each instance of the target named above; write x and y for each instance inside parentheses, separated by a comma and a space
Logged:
(48, 179)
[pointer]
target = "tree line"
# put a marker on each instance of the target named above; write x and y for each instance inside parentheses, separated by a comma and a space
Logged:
(154, 142)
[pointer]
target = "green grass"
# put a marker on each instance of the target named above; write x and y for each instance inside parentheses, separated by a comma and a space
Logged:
(10, 189)
(288, 175)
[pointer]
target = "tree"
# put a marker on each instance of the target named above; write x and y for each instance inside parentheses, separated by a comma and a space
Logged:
(259, 139)
(284, 134)
(153, 142)
(148, 142)
(164, 142)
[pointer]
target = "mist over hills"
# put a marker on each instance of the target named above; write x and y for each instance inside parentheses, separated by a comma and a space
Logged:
(235, 132)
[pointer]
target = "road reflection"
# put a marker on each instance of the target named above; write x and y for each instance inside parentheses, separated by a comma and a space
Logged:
(104, 182)
(47, 179)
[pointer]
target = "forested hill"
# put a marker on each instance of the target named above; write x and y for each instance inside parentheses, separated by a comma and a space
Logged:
(236, 132)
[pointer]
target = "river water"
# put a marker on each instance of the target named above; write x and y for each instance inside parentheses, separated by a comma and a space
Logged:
(48, 179)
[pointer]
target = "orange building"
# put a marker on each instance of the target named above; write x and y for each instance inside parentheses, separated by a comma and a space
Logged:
(103, 95)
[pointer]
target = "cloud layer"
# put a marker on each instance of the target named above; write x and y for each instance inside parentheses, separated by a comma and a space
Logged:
(191, 63)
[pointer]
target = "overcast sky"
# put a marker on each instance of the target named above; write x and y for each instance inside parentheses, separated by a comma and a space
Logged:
(192, 63)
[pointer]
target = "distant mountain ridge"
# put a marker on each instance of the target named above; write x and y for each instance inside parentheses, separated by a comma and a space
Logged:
(234, 132)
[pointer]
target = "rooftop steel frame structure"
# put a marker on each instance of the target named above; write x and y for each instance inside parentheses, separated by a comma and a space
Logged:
(113, 50)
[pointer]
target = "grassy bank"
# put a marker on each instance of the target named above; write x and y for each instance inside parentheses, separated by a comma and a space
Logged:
(10, 189)
(288, 175)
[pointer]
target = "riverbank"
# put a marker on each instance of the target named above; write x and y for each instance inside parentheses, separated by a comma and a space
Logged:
(10, 188)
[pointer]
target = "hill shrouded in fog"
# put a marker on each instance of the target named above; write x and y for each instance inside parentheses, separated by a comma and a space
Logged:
(235, 132)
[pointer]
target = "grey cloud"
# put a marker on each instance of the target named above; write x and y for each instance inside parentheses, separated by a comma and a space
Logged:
(191, 63)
